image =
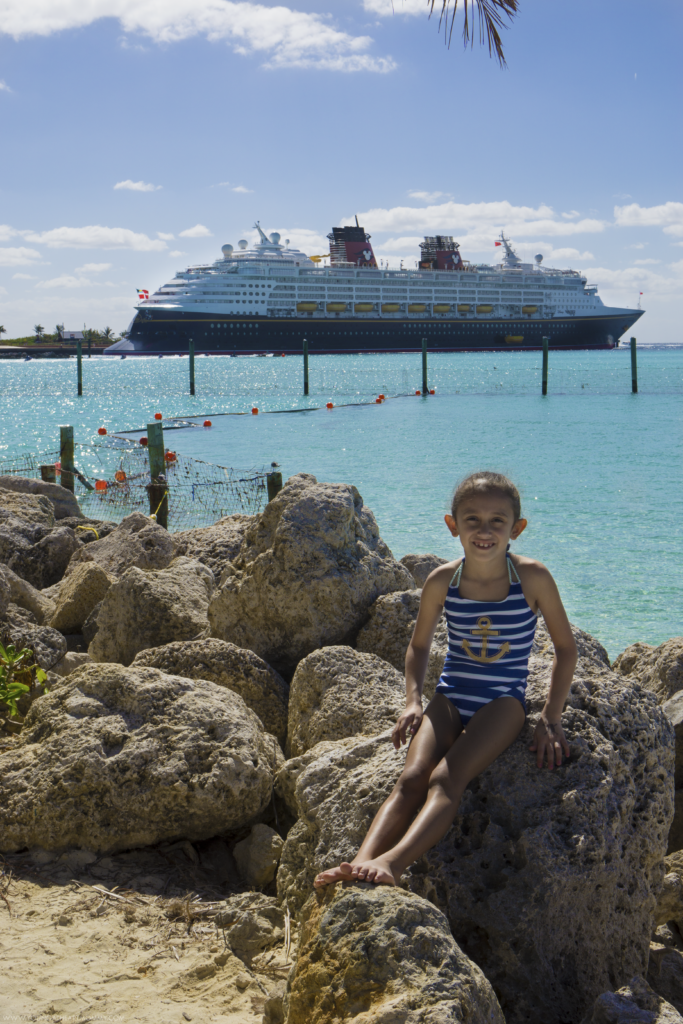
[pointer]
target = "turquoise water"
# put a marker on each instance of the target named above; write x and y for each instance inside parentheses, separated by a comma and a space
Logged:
(599, 468)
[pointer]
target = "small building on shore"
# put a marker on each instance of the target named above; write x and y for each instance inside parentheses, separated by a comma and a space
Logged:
(70, 335)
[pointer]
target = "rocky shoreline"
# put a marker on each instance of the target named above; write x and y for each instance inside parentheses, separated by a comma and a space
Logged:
(215, 731)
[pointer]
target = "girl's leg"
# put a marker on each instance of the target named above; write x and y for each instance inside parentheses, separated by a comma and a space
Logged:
(491, 730)
(438, 731)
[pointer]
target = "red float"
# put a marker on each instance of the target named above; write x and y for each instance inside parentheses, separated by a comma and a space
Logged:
(143, 442)
(102, 431)
(254, 411)
(330, 405)
(207, 423)
(158, 416)
(101, 485)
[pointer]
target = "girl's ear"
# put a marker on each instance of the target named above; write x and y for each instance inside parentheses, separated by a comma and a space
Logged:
(519, 527)
(452, 525)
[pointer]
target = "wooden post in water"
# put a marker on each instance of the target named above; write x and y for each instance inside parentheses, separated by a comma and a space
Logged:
(89, 346)
(274, 482)
(634, 368)
(544, 385)
(157, 489)
(79, 369)
(66, 456)
(425, 386)
(191, 366)
(48, 474)
(305, 366)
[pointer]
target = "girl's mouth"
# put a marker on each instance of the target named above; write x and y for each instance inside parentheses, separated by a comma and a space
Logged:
(484, 545)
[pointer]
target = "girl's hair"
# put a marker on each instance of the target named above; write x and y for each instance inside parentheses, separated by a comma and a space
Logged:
(486, 482)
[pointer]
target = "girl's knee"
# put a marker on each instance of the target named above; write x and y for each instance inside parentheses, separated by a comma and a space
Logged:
(414, 781)
(445, 782)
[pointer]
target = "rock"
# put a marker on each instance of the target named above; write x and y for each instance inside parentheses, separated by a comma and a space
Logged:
(44, 563)
(259, 686)
(34, 509)
(91, 625)
(670, 898)
(659, 669)
(390, 630)
(665, 973)
(114, 758)
(79, 593)
(251, 921)
(288, 775)
(70, 662)
(214, 546)
(676, 832)
(273, 1011)
(420, 566)
(5, 592)
(218, 862)
(380, 955)
(309, 568)
(338, 692)
(147, 609)
(27, 597)
(673, 709)
(587, 839)
(89, 530)
(64, 502)
(136, 543)
(48, 646)
(258, 855)
(636, 1003)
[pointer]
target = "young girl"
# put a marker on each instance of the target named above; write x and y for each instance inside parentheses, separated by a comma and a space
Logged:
(491, 600)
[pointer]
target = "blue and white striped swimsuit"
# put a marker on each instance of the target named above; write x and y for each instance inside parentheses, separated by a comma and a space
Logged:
(489, 643)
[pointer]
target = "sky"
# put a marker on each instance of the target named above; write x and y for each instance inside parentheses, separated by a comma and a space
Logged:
(138, 136)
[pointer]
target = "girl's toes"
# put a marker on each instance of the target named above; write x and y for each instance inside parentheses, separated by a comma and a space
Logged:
(371, 875)
(346, 868)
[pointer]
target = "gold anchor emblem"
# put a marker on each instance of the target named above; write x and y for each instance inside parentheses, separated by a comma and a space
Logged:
(485, 632)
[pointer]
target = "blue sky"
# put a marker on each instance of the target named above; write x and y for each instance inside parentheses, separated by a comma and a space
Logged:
(140, 135)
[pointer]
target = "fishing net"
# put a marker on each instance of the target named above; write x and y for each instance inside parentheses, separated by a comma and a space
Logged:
(112, 479)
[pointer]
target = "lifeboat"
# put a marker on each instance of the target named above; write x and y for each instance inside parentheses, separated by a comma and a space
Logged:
(529, 309)
(484, 309)
(514, 339)
(417, 307)
(306, 307)
(442, 307)
(391, 307)
(335, 307)
(363, 307)
(464, 308)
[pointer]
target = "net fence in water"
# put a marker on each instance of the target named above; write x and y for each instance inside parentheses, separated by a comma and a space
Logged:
(112, 479)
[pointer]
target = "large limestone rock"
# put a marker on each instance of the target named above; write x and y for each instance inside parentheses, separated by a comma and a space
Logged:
(136, 543)
(659, 669)
(5, 592)
(36, 510)
(44, 562)
(383, 956)
(338, 692)
(665, 972)
(420, 566)
(635, 1003)
(113, 758)
(251, 922)
(64, 503)
(214, 546)
(673, 709)
(259, 686)
(48, 645)
(390, 630)
(84, 588)
(258, 855)
(310, 566)
(148, 609)
(25, 596)
(586, 840)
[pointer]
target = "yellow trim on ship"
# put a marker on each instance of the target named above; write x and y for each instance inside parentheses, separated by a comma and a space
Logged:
(391, 307)
(484, 309)
(306, 307)
(335, 307)
(364, 307)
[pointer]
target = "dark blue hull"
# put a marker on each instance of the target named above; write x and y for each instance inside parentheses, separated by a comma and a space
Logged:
(166, 332)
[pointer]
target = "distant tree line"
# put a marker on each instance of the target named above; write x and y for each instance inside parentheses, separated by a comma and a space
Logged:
(42, 337)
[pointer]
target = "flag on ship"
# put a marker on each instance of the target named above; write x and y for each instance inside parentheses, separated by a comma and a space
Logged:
(143, 294)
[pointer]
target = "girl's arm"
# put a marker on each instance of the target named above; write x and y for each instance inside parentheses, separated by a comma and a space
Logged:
(417, 655)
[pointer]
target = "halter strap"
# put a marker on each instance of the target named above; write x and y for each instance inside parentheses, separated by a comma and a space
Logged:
(511, 569)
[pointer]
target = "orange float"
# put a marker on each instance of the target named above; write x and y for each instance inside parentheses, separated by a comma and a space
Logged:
(418, 392)
(101, 485)
(102, 431)
(119, 476)
(158, 416)
(330, 405)
(432, 391)
(254, 411)
(143, 442)
(169, 456)
(207, 423)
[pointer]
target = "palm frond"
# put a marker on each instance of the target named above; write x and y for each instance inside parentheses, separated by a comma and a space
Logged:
(492, 15)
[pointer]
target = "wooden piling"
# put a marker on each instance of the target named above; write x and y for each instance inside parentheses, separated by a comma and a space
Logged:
(305, 366)
(48, 474)
(544, 385)
(191, 366)
(634, 368)
(157, 490)
(66, 457)
(274, 483)
(425, 386)
(79, 366)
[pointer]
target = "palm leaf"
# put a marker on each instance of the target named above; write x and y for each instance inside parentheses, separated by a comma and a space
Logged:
(491, 18)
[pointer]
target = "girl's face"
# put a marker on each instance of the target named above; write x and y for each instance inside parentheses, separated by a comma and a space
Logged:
(485, 524)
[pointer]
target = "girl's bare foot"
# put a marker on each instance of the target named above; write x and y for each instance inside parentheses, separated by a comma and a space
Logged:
(340, 874)
(377, 871)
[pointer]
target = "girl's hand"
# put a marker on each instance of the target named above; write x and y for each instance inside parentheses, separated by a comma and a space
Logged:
(407, 725)
(550, 741)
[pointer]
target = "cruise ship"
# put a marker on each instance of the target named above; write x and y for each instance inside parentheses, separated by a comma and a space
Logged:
(269, 298)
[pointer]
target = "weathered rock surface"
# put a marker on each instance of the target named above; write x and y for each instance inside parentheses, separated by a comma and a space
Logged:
(91, 625)
(33, 509)
(258, 855)
(215, 545)
(379, 956)
(659, 669)
(89, 530)
(25, 596)
(48, 645)
(43, 563)
(259, 686)
(148, 609)
(114, 758)
(252, 922)
(64, 502)
(137, 542)
(338, 692)
(5, 592)
(390, 630)
(665, 973)
(82, 589)
(288, 776)
(70, 662)
(309, 568)
(587, 839)
(673, 708)
(669, 905)
(635, 1003)
(420, 566)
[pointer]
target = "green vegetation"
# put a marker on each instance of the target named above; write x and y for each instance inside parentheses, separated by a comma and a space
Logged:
(19, 675)
(90, 334)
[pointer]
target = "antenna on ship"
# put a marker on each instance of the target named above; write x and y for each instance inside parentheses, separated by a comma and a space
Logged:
(357, 224)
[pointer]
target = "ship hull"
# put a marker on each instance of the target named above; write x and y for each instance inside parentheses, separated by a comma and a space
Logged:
(166, 332)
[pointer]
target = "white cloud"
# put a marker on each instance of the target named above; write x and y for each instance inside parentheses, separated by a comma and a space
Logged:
(93, 268)
(427, 197)
(18, 257)
(6, 232)
(23, 277)
(3, 291)
(668, 216)
(198, 231)
(222, 184)
(137, 186)
(65, 281)
(624, 285)
(644, 263)
(177, 252)
(166, 237)
(572, 215)
(4, 87)
(281, 36)
(241, 188)
(384, 8)
(95, 236)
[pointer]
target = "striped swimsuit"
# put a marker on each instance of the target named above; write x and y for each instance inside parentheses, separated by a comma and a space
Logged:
(489, 643)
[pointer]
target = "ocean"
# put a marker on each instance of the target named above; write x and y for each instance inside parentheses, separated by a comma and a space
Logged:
(599, 468)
